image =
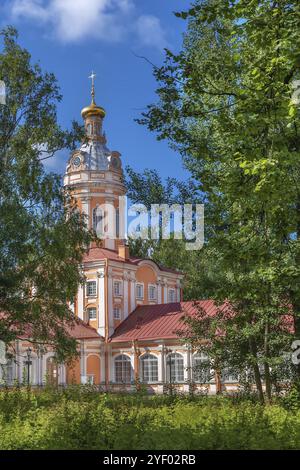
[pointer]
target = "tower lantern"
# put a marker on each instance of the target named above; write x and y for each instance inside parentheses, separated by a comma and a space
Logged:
(94, 175)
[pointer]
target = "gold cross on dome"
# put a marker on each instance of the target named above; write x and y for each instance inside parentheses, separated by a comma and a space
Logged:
(92, 77)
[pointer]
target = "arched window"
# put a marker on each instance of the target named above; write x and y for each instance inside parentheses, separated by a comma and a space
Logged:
(175, 368)
(89, 129)
(201, 368)
(98, 221)
(149, 368)
(122, 369)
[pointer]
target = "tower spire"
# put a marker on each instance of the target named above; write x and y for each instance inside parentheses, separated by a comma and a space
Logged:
(92, 77)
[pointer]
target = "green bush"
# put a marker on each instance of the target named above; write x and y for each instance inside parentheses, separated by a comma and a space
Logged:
(82, 418)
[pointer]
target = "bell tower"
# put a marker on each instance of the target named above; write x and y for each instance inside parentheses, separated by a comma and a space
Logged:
(94, 176)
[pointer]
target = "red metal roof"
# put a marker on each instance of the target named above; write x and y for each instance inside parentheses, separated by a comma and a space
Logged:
(152, 322)
(81, 330)
(97, 254)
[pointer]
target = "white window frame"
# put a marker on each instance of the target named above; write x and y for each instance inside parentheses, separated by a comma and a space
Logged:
(123, 359)
(88, 313)
(152, 286)
(119, 293)
(116, 307)
(206, 372)
(149, 368)
(140, 284)
(175, 368)
(94, 282)
(171, 289)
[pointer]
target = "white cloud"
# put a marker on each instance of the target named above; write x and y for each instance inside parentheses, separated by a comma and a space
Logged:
(150, 32)
(75, 20)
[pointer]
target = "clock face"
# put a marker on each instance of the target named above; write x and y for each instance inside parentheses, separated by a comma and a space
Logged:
(76, 161)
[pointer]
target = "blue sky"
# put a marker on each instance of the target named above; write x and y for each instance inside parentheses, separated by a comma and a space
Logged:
(72, 37)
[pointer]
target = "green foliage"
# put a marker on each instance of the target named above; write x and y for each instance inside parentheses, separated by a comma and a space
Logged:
(225, 102)
(40, 246)
(88, 420)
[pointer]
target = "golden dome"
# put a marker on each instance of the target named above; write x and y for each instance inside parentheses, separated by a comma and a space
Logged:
(93, 110)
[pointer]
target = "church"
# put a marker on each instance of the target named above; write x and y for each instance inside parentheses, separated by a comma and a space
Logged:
(129, 309)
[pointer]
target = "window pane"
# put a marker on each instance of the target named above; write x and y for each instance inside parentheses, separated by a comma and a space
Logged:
(139, 291)
(175, 368)
(149, 368)
(171, 295)
(117, 313)
(152, 292)
(201, 369)
(122, 369)
(117, 288)
(92, 313)
(91, 289)
(229, 375)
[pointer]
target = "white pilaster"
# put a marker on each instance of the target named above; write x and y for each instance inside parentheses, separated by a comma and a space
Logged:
(132, 295)
(125, 297)
(186, 364)
(110, 305)
(101, 303)
(159, 293)
(161, 364)
(62, 374)
(166, 300)
(80, 302)
(85, 201)
(82, 361)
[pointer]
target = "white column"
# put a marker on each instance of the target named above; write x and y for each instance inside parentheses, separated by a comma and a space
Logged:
(80, 302)
(132, 365)
(161, 365)
(110, 305)
(38, 369)
(178, 294)
(41, 369)
(132, 295)
(82, 361)
(186, 364)
(101, 303)
(62, 374)
(18, 359)
(159, 293)
(125, 297)
(85, 201)
(166, 300)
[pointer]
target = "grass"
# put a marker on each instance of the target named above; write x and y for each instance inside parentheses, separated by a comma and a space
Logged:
(82, 418)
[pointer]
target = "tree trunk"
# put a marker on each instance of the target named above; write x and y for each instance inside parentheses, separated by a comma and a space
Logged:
(268, 382)
(266, 365)
(256, 371)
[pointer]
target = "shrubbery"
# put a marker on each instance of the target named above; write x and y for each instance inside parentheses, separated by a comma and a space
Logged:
(81, 418)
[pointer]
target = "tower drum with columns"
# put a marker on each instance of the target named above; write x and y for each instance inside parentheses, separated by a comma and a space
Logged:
(95, 178)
